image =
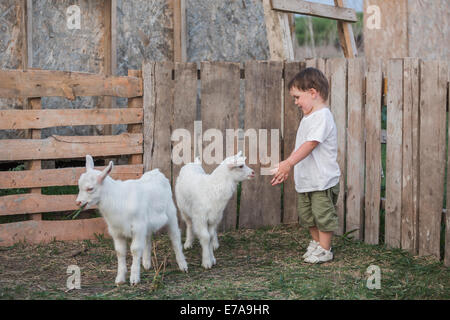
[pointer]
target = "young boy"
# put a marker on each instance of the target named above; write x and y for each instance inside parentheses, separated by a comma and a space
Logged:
(316, 171)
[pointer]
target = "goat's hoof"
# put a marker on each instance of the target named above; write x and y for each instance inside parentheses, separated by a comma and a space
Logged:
(147, 265)
(183, 267)
(213, 261)
(120, 280)
(215, 246)
(207, 265)
(187, 246)
(134, 280)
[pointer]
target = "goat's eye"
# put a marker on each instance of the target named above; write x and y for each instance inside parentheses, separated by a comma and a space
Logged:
(241, 166)
(90, 189)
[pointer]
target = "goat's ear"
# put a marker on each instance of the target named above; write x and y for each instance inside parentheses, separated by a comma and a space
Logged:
(89, 162)
(105, 172)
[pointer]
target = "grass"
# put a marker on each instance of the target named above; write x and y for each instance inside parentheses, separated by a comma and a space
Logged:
(251, 264)
(325, 30)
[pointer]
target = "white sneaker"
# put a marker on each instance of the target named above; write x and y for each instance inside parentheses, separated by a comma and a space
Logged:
(312, 246)
(320, 255)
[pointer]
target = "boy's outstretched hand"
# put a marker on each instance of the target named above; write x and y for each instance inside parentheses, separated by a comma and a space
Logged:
(281, 172)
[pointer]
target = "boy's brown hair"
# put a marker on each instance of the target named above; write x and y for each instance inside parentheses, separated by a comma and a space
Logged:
(311, 78)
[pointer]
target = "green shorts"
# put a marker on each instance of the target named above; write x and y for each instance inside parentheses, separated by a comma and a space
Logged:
(317, 209)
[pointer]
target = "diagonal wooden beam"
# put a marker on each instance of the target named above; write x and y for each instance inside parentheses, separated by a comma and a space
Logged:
(346, 36)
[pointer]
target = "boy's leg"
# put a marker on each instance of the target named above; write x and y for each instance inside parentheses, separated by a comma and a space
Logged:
(325, 239)
(315, 235)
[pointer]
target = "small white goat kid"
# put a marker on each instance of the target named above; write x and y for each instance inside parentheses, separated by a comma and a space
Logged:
(132, 209)
(201, 199)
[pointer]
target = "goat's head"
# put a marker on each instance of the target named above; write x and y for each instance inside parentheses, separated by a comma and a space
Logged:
(238, 170)
(90, 184)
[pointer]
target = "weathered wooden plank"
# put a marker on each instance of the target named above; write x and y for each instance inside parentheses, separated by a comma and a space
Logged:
(135, 104)
(46, 231)
(158, 154)
(260, 202)
(409, 225)
(185, 114)
(36, 203)
(447, 214)
(185, 109)
(46, 83)
(355, 148)
(373, 154)
(315, 9)
(179, 30)
(149, 105)
(447, 238)
(394, 149)
(46, 118)
(338, 106)
(65, 147)
(220, 91)
(433, 86)
(291, 117)
(278, 35)
(61, 177)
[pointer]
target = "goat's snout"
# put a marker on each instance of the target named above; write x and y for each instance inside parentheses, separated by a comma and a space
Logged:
(78, 203)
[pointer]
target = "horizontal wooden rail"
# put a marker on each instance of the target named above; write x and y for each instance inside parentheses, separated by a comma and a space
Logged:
(45, 231)
(315, 9)
(40, 119)
(61, 177)
(66, 147)
(36, 203)
(46, 83)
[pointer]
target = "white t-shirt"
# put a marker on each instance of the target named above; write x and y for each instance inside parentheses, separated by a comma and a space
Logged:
(319, 170)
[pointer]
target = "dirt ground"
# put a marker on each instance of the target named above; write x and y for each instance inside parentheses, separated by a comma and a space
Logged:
(251, 264)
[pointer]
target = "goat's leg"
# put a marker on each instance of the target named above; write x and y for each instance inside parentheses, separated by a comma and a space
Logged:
(215, 240)
(201, 230)
(137, 248)
(212, 235)
(189, 234)
(120, 245)
(175, 238)
(147, 254)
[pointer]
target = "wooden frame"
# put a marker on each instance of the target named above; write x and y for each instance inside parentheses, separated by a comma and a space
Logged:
(275, 12)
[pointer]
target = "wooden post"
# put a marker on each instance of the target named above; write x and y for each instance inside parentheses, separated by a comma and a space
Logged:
(179, 30)
(35, 104)
(110, 55)
(278, 33)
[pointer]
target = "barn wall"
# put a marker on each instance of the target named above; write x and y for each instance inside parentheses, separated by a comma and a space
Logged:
(409, 28)
(428, 25)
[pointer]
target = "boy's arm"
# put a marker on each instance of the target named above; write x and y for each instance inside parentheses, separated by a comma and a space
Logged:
(296, 156)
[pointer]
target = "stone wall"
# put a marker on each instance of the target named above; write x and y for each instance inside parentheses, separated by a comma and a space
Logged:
(230, 30)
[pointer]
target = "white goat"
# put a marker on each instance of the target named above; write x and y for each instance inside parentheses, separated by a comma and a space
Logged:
(132, 209)
(201, 199)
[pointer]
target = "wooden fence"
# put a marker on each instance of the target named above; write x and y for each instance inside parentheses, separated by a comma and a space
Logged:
(415, 94)
(31, 85)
